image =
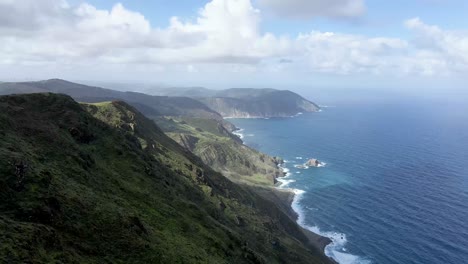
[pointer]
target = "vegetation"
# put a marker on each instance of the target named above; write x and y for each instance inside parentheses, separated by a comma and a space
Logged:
(204, 103)
(147, 104)
(221, 150)
(247, 102)
(103, 184)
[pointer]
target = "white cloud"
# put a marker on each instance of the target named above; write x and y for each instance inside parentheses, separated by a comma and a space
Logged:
(226, 33)
(344, 54)
(307, 9)
(446, 48)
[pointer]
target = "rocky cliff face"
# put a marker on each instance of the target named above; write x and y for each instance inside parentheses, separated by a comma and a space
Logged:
(221, 150)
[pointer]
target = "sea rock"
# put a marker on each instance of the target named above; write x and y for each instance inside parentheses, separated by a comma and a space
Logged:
(313, 163)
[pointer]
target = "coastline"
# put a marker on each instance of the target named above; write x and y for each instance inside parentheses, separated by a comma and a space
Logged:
(268, 117)
(289, 203)
(332, 244)
(318, 241)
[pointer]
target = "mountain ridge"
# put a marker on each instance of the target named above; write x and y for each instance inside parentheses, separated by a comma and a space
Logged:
(192, 101)
(155, 105)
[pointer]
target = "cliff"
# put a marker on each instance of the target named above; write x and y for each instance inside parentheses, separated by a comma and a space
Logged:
(221, 150)
(101, 182)
(245, 103)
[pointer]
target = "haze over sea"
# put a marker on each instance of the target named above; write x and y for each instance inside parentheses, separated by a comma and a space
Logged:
(395, 187)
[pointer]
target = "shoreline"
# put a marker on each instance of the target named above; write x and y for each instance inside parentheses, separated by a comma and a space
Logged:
(269, 117)
(318, 241)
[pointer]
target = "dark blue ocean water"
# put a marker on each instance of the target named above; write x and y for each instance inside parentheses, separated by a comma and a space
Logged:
(395, 185)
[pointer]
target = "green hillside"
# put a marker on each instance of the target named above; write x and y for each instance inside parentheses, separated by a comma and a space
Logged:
(103, 184)
(221, 150)
(147, 104)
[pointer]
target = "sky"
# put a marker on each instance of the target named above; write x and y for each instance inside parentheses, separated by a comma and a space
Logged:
(413, 44)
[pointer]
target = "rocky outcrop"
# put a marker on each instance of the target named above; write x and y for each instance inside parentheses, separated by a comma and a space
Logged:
(187, 141)
(313, 163)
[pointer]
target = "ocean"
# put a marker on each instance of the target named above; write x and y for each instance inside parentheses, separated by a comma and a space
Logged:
(395, 185)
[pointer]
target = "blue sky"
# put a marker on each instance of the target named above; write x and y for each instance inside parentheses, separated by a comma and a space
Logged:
(228, 43)
(381, 15)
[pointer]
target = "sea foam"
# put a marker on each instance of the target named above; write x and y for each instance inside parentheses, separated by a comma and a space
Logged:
(239, 133)
(336, 249)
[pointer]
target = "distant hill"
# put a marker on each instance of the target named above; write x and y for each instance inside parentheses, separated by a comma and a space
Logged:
(203, 131)
(149, 105)
(96, 183)
(195, 102)
(247, 102)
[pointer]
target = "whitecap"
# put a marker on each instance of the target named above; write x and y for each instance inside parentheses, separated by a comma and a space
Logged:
(299, 158)
(336, 249)
(239, 133)
(322, 164)
(284, 182)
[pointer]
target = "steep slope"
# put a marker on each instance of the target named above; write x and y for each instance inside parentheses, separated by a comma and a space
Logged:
(76, 189)
(222, 150)
(150, 105)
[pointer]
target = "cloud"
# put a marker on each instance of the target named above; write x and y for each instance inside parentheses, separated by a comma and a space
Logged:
(344, 54)
(226, 35)
(225, 31)
(306, 9)
(447, 48)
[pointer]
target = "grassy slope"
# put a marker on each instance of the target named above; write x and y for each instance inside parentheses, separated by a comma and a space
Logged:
(120, 191)
(222, 150)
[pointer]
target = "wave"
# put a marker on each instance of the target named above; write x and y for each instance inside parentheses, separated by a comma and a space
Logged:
(322, 164)
(286, 171)
(285, 182)
(336, 249)
(238, 133)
